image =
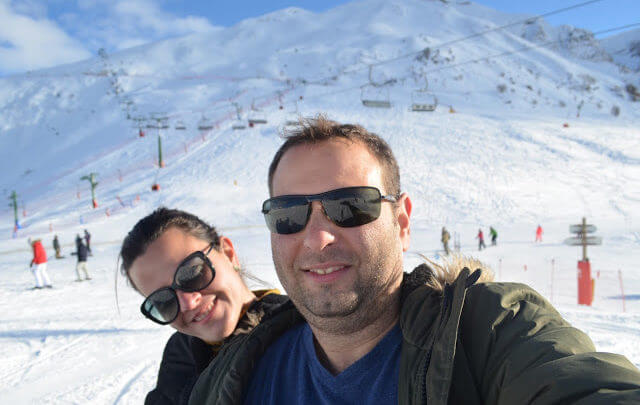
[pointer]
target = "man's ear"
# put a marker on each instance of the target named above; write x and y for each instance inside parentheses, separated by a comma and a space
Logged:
(403, 213)
(226, 246)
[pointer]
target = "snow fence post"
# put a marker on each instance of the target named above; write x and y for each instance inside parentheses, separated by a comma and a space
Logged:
(622, 290)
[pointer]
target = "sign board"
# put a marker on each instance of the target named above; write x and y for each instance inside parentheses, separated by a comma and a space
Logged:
(577, 241)
(578, 228)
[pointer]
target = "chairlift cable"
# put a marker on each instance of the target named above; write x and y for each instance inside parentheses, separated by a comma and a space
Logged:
(524, 49)
(503, 54)
(465, 38)
(479, 34)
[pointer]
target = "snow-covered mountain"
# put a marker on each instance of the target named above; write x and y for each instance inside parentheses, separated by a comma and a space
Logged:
(624, 48)
(61, 123)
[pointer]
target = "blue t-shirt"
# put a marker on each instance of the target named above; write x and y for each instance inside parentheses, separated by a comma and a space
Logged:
(290, 373)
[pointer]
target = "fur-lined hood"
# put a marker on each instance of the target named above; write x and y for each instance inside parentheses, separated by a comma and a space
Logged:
(437, 275)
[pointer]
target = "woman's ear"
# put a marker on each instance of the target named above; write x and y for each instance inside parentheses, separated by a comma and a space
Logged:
(226, 247)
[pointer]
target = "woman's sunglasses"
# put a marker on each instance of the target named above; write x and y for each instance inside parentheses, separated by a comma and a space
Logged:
(194, 273)
(346, 207)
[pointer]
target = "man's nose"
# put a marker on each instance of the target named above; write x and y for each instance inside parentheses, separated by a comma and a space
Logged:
(188, 300)
(320, 231)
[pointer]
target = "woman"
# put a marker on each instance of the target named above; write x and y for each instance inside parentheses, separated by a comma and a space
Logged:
(190, 277)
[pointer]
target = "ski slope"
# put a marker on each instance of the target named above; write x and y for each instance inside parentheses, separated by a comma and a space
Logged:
(504, 158)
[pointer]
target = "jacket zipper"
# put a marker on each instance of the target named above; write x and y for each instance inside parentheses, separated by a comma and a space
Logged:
(445, 307)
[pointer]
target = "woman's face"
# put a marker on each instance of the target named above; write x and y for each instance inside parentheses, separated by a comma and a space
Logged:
(210, 314)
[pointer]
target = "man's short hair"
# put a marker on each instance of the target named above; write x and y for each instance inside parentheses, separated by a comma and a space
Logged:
(321, 129)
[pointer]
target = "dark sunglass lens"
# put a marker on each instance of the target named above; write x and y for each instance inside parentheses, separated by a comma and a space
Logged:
(286, 216)
(194, 274)
(353, 207)
(162, 306)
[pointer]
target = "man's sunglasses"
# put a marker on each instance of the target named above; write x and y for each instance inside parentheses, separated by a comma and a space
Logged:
(346, 207)
(194, 273)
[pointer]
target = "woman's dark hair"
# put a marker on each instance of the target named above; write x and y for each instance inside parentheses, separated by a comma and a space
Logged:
(151, 227)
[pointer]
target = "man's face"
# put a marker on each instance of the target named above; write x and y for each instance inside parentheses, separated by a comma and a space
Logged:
(338, 278)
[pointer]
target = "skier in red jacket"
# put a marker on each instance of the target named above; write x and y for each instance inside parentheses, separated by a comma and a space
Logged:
(539, 234)
(480, 238)
(40, 261)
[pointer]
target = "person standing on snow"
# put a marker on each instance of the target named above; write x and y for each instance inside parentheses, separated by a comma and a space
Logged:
(445, 240)
(87, 239)
(40, 269)
(539, 233)
(494, 236)
(56, 247)
(480, 238)
(81, 252)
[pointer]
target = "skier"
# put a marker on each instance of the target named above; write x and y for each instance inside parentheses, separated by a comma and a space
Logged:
(445, 240)
(40, 269)
(539, 233)
(81, 252)
(56, 247)
(480, 238)
(87, 238)
(494, 236)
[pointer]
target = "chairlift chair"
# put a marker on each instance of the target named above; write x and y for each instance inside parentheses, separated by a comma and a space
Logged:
(256, 120)
(375, 97)
(204, 125)
(293, 118)
(180, 126)
(238, 124)
(256, 116)
(422, 100)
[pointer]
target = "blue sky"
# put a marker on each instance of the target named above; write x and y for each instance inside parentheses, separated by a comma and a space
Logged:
(36, 34)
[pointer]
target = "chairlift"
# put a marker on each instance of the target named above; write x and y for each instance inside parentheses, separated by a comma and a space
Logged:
(375, 95)
(256, 116)
(204, 125)
(293, 118)
(238, 124)
(180, 126)
(280, 103)
(422, 100)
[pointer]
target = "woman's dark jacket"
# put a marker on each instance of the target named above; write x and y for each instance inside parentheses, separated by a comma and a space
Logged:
(185, 357)
(466, 343)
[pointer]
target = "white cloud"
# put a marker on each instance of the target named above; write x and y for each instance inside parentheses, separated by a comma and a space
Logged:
(28, 42)
(121, 24)
(32, 38)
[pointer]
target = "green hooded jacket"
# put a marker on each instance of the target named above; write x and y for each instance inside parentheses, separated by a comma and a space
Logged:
(463, 343)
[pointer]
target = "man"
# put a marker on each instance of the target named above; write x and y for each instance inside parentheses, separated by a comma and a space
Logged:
(445, 240)
(87, 239)
(81, 266)
(56, 247)
(371, 334)
(494, 236)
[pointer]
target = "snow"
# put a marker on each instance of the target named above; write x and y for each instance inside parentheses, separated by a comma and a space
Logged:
(503, 159)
